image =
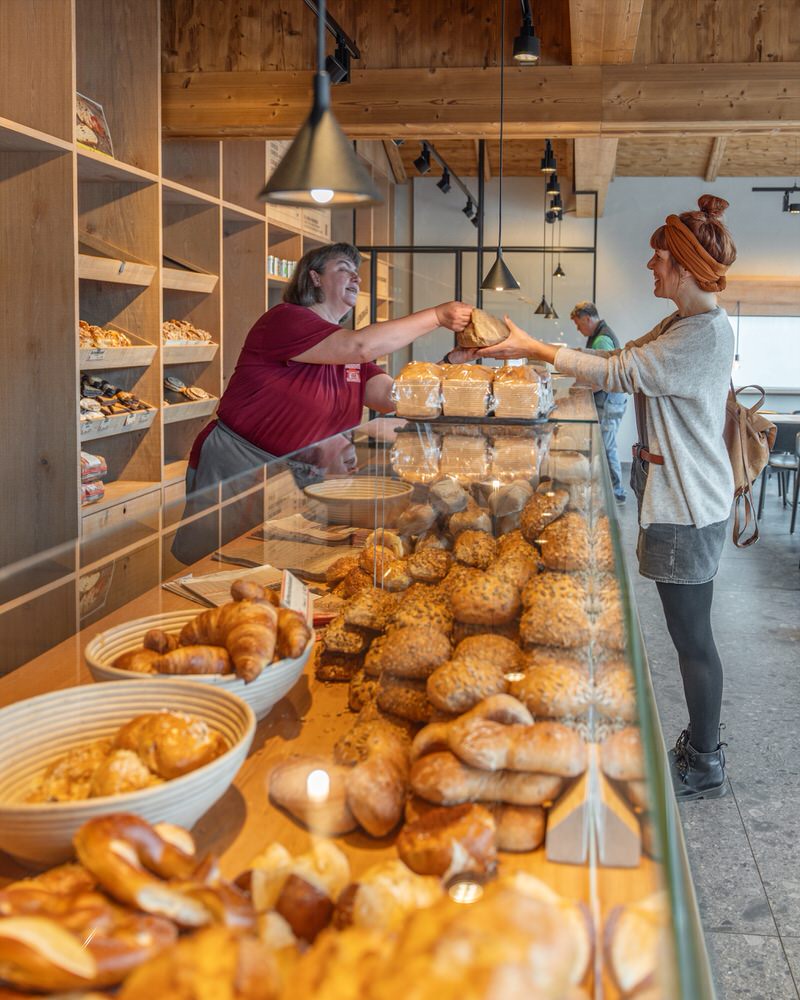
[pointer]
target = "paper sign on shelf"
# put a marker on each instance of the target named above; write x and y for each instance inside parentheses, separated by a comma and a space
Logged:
(97, 354)
(129, 419)
(295, 595)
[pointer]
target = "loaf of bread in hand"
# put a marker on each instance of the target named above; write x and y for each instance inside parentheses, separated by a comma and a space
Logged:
(483, 330)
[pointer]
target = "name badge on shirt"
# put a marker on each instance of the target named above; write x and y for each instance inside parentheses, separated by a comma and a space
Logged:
(352, 373)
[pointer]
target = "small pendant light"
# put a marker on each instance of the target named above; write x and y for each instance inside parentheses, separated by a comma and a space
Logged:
(499, 278)
(544, 306)
(559, 271)
(320, 167)
(552, 314)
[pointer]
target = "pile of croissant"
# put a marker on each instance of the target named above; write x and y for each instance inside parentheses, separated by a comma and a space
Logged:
(241, 637)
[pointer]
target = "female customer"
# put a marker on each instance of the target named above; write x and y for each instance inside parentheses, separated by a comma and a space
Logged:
(300, 377)
(679, 373)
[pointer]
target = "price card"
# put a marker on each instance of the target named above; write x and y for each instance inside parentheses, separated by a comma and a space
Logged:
(295, 595)
(97, 354)
(130, 418)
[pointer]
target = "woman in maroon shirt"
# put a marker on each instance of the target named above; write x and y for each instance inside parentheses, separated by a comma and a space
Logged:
(301, 377)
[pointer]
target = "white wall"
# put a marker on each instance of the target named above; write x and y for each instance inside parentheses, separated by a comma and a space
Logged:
(768, 242)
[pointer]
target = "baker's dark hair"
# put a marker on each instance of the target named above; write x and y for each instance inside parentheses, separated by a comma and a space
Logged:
(301, 290)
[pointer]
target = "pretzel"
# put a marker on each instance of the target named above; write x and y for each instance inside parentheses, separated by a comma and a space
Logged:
(150, 869)
(59, 942)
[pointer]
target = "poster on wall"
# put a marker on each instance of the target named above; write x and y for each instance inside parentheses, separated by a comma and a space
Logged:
(91, 127)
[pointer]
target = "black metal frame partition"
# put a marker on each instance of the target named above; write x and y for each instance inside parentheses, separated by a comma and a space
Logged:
(372, 251)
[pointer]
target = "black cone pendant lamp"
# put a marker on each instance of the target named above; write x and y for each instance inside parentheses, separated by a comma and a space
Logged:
(320, 167)
(559, 271)
(499, 278)
(544, 306)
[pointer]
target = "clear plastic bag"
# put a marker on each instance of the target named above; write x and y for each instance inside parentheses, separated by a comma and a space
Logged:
(421, 399)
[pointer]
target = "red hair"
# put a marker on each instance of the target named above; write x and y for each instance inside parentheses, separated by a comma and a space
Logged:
(708, 229)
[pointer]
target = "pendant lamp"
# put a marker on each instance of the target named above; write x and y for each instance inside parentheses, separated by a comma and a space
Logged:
(320, 167)
(552, 314)
(544, 306)
(499, 278)
(559, 271)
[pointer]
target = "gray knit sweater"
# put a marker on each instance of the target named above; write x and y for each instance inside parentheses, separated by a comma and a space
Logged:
(684, 373)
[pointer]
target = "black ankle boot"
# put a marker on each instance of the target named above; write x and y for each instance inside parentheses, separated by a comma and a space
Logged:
(679, 749)
(698, 775)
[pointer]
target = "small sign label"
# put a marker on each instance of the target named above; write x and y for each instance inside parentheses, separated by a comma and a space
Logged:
(97, 354)
(352, 373)
(130, 418)
(295, 595)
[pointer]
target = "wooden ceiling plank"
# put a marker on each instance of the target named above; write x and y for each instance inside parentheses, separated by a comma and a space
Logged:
(604, 31)
(715, 157)
(594, 169)
(395, 161)
(559, 101)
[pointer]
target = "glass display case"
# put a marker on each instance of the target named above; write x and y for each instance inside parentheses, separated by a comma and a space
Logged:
(459, 787)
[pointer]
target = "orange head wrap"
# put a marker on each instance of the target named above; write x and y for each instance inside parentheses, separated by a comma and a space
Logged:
(690, 253)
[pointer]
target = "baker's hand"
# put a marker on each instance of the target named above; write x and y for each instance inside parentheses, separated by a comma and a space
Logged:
(453, 315)
(517, 345)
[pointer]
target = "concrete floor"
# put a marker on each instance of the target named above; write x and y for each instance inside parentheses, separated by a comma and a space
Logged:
(744, 849)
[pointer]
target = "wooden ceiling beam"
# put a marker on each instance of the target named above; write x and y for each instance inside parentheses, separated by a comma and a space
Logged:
(395, 161)
(604, 31)
(549, 101)
(594, 170)
(715, 157)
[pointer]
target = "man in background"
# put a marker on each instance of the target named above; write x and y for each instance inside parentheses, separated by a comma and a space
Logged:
(610, 405)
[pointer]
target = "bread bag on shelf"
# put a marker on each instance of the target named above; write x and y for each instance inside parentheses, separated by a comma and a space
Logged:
(417, 390)
(517, 392)
(466, 390)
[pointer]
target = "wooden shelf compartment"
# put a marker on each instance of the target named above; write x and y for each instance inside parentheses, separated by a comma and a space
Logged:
(15, 138)
(190, 410)
(188, 352)
(174, 193)
(244, 168)
(174, 472)
(185, 280)
(120, 423)
(98, 168)
(278, 279)
(119, 491)
(117, 271)
(236, 213)
(191, 167)
(101, 358)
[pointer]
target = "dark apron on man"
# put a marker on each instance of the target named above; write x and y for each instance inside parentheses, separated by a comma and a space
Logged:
(614, 401)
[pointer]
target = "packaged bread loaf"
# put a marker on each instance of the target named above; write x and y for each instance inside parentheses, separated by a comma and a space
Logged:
(415, 457)
(417, 390)
(466, 390)
(483, 330)
(567, 467)
(464, 458)
(514, 458)
(516, 392)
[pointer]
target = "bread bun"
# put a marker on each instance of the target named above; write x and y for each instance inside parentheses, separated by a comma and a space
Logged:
(448, 842)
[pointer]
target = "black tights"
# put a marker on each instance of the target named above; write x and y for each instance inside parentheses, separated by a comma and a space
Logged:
(687, 608)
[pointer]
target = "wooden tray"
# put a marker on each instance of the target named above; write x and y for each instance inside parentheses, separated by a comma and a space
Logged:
(108, 262)
(180, 352)
(120, 423)
(186, 277)
(138, 356)
(189, 410)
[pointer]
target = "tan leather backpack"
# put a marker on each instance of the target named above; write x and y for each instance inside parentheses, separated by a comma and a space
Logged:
(749, 437)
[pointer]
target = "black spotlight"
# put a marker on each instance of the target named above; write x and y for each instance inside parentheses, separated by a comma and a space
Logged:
(338, 65)
(552, 187)
(555, 204)
(793, 208)
(398, 142)
(526, 44)
(470, 210)
(548, 162)
(423, 161)
(444, 183)
(551, 217)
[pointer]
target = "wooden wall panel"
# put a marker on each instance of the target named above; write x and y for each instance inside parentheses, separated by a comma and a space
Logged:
(219, 35)
(707, 31)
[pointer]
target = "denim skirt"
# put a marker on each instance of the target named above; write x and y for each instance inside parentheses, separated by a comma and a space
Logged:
(676, 553)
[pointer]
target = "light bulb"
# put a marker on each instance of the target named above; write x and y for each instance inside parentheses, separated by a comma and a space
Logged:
(318, 785)
(321, 195)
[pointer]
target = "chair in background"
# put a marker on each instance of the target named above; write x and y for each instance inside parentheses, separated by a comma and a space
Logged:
(796, 482)
(783, 461)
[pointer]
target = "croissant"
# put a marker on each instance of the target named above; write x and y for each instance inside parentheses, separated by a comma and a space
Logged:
(195, 660)
(293, 634)
(247, 629)
(249, 590)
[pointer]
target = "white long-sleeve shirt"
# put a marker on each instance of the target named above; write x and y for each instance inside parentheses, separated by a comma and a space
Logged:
(683, 369)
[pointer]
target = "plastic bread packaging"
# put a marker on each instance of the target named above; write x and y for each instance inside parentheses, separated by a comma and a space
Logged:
(517, 392)
(464, 459)
(93, 467)
(415, 457)
(92, 492)
(514, 458)
(467, 391)
(417, 390)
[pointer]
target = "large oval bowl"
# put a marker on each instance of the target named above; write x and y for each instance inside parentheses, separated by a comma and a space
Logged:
(269, 687)
(37, 731)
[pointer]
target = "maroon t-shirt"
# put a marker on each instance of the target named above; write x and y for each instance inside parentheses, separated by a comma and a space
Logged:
(281, 405)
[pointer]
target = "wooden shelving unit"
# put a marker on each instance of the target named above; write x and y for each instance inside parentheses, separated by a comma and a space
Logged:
(159, 231)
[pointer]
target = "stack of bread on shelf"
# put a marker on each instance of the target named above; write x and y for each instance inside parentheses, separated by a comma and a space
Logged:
(177, 330)
(98, 336)
(243, 637)
(143, 913)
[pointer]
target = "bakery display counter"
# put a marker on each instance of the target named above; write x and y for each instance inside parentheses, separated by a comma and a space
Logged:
(464, 790)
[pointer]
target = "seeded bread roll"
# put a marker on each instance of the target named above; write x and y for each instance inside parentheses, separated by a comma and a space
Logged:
(475, 548)
(610, 628)
(555, 656)
(564, 544)
(334, 667)
(622, 756)
(615, 694)
(510, 498)
(406, 698)
(551, 622)
(433, 539)
(540, 510)
(462, 631)
(356, 580)
(512, 541)
(556, 587)
(339, 569)
(375, 559)
(396, 577)
(370, 609)
(366, 738)
(413, 652)
(603, 549)
(516, 567)
(457, 574)
(339, 637)
(458, 685)
(420, 611)
(492, 649)
(472, 518)
(483, 599)
(447, 497)
(430, 565)
(362, 691)
(373, 657)
(553, 692)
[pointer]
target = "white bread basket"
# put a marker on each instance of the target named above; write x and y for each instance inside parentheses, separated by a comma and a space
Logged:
(37, 731)
(269, 687)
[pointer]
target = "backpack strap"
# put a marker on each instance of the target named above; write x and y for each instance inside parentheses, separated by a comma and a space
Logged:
(745, 499)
